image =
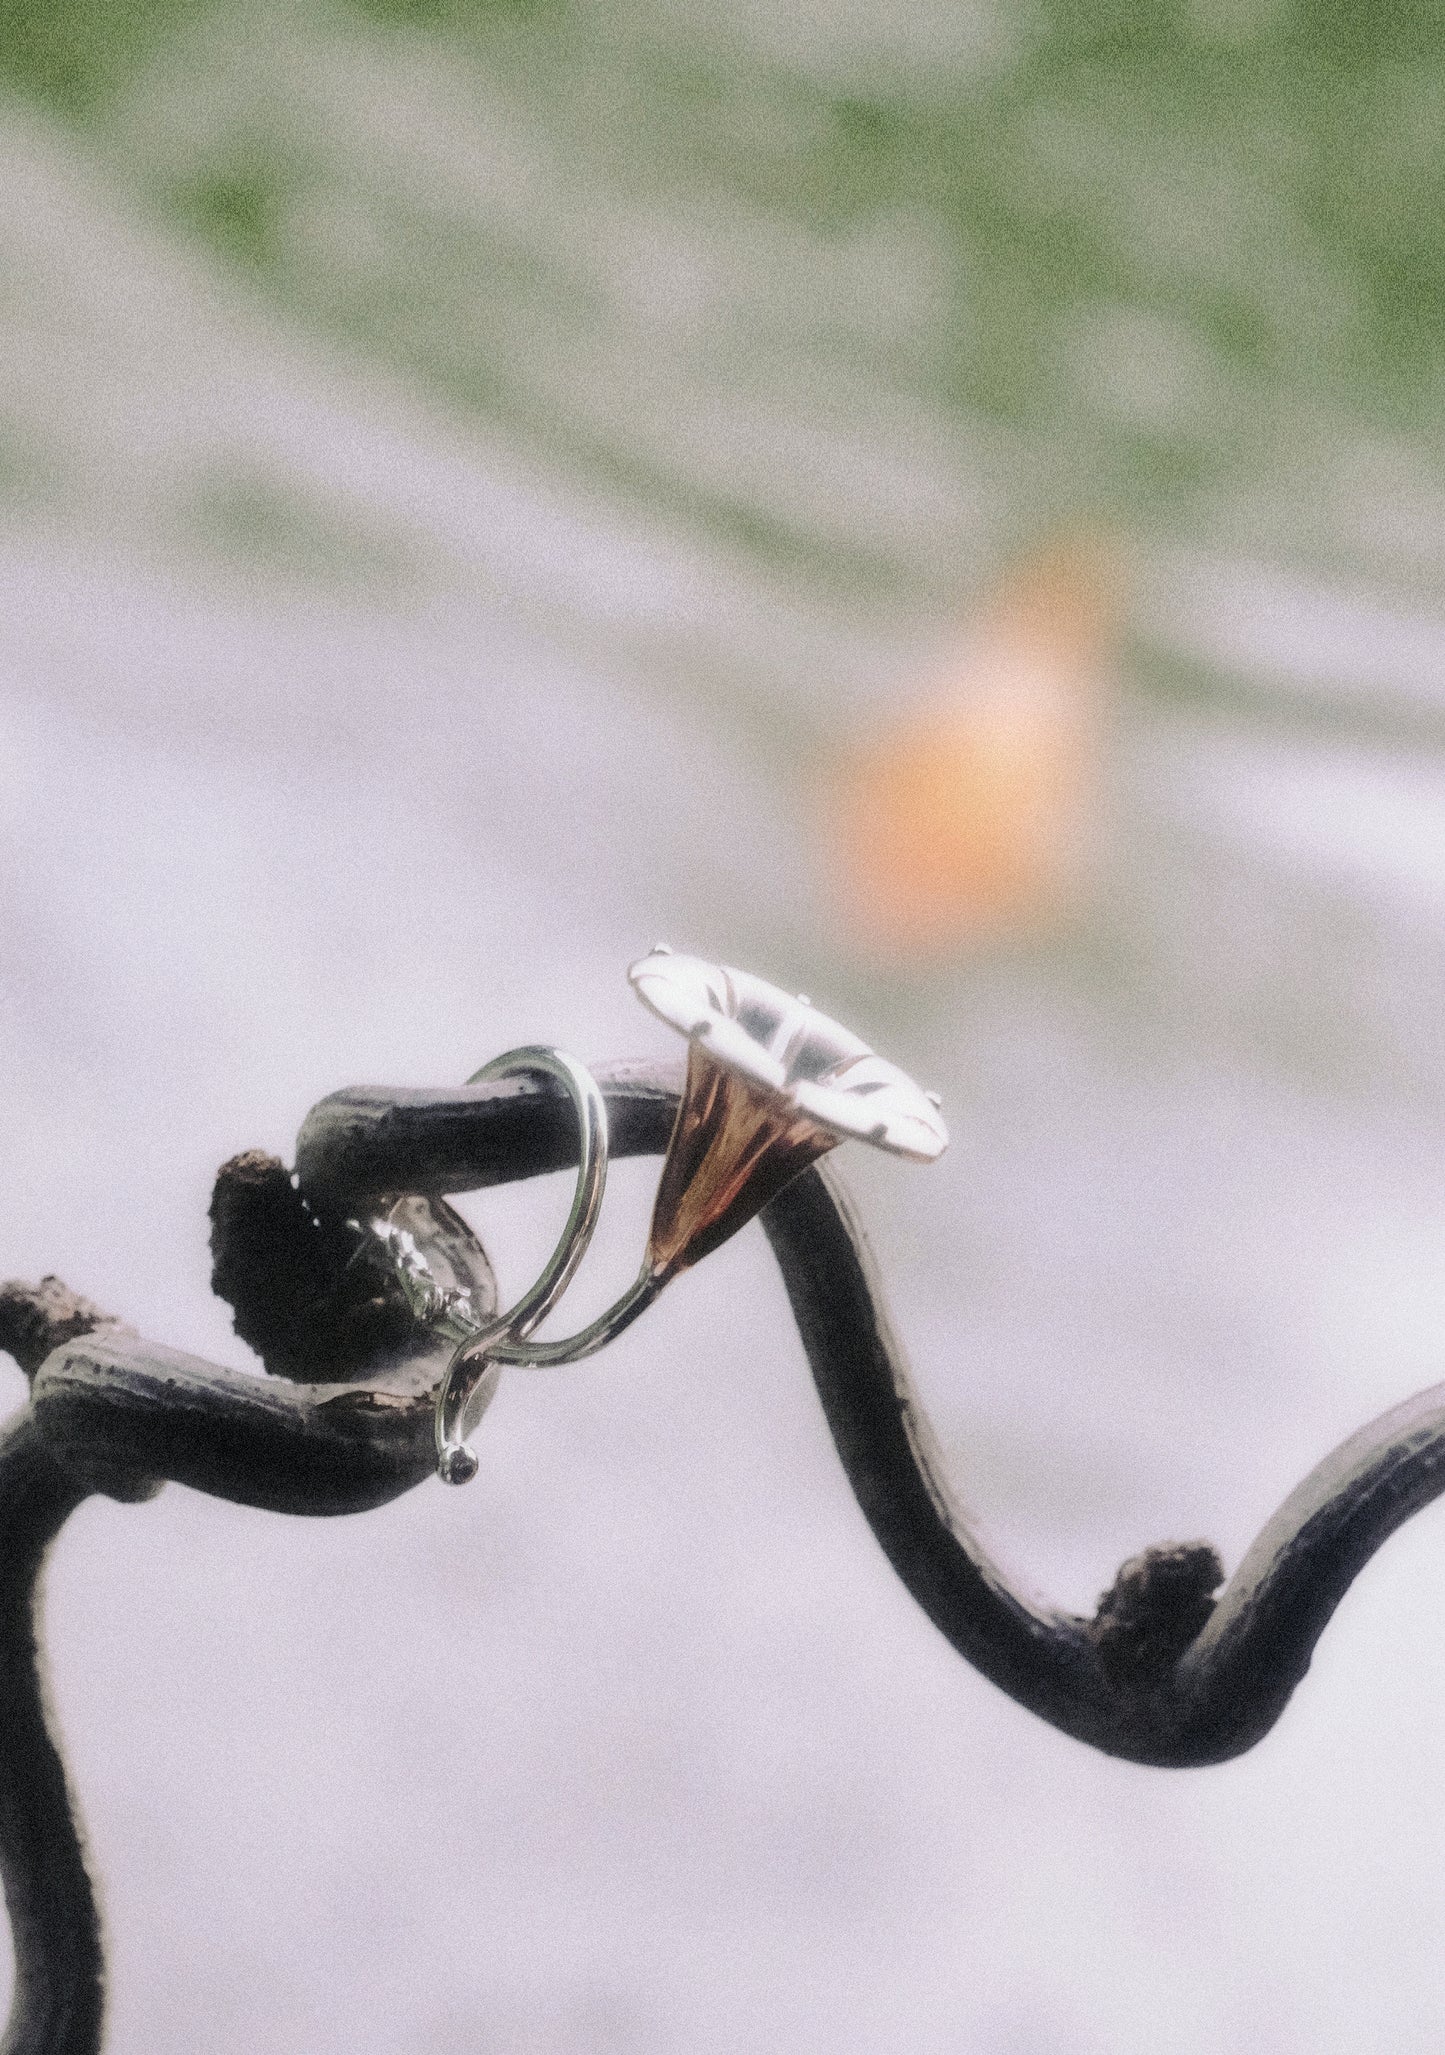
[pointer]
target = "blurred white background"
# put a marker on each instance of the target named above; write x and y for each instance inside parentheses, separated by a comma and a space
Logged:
(487, 489)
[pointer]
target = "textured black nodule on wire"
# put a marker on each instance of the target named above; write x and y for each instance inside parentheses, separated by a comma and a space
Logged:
(1165, 1673)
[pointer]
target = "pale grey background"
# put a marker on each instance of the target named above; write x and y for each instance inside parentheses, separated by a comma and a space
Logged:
(636, 1745)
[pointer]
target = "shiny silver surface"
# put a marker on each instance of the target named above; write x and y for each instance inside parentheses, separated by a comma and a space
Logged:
(471, 1376)
(785, 1044)
(451, 1289)
(572, 1348)
(429, 1244)
(772, 1084)
(442, 1266)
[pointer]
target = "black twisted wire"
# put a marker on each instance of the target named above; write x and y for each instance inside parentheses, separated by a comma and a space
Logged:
(53, 1919)
(1161, 1675)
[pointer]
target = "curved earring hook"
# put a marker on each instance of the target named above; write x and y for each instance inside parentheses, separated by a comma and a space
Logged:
(471, 1376)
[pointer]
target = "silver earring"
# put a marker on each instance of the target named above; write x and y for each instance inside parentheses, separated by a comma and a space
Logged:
(772, 1084)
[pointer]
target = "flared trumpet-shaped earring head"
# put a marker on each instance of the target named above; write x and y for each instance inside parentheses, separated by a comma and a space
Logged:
(772, 1085)
(734, 1144)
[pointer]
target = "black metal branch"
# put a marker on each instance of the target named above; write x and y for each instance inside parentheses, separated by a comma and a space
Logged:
(116, 1408)
(1217, 1689)
(343, 1424)
(36, 1318)
(314, 1295)
(1162, 1674)
(110, 1412)
(59, 1978)
(371, 1141)
(59, 1996)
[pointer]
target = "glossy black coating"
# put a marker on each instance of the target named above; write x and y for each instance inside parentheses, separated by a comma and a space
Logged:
(110, 1412)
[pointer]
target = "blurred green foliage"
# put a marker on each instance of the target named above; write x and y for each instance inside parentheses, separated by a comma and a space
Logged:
(1148, 257)
(263, 523)
(70, 52)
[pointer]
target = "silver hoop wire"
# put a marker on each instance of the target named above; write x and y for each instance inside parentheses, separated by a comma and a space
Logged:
(472, 1374)
(561, 1266)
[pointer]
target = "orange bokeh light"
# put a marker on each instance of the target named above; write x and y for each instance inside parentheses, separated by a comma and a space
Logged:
(969, 816)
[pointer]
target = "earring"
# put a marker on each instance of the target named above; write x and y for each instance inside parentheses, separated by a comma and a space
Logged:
(772, 1084)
